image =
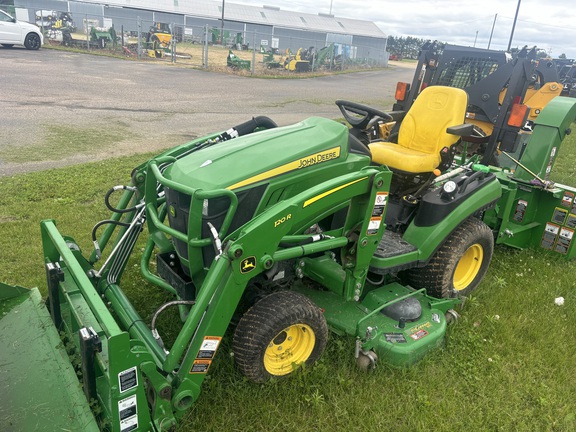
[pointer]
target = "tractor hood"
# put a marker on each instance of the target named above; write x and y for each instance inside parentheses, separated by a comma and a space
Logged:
(259, 156)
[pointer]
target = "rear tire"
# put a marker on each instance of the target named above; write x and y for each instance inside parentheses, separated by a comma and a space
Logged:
(278, 333)
(459, 265)
(32, 41)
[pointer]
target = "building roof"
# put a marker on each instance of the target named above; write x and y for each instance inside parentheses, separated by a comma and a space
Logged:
(265, 15)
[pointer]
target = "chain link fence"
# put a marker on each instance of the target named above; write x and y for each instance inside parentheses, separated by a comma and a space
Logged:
(158, 37)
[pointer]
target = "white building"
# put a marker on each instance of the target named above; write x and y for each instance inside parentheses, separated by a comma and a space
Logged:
(265, 25)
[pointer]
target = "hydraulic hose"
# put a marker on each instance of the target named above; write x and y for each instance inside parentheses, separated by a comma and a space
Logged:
(254, 123)
(111, 207)
(247, 127)
(162, 308)
(95, 240)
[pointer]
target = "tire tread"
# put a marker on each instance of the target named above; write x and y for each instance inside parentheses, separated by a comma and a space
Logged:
(263, 321)
(437, 275)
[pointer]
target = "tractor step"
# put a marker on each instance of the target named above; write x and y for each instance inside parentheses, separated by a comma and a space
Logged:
(393, 245)
(40, 388)
(393, 254)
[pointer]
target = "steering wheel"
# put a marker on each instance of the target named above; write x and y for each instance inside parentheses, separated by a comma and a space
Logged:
(360, 116)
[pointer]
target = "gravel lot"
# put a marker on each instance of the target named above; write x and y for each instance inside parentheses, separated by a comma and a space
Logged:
(155, 105)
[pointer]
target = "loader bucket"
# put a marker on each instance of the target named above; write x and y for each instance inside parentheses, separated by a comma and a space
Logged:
(40, 389)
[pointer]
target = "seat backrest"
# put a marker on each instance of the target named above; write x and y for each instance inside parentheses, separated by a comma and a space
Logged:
(435, 109)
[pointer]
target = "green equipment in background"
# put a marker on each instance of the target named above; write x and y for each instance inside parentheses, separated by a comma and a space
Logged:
(236, 63)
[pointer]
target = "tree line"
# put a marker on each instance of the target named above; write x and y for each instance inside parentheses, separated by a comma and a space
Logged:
(405, 47)
(401, 47)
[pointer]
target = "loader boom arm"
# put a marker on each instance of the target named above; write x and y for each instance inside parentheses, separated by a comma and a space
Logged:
(123, 356)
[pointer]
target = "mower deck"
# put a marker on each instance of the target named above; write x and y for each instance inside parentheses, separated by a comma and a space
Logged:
(40, 387)
(397, 344)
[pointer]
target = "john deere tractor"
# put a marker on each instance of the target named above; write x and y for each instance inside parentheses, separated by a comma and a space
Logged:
(271, 236)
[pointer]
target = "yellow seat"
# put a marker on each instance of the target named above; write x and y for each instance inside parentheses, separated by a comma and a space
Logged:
(422, 134)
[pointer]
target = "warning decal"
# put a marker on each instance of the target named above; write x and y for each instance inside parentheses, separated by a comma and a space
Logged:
(567, 199)
(200, 366)
(549, 236)
(419, 334)
(564, 240)
(374, 225)
(129, 424)
(127, 408)
(571, 221)
(395, 337)
(559, 215)
(208, 347)
(128, 379)
(380, 204)
(566, 233)
(520, 210)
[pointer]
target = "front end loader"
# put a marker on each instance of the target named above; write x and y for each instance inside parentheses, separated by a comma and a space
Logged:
(267, 235)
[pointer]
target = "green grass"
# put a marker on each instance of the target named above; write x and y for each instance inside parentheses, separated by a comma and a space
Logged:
(64, 141)
(507, 364)
(564, 171)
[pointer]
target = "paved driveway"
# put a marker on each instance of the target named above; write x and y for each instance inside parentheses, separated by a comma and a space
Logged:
(155, 105)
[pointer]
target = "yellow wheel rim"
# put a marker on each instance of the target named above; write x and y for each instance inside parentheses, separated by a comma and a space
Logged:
(290, 347)
(468, 267)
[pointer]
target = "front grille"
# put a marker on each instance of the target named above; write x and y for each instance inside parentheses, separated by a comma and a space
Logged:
(214, 211)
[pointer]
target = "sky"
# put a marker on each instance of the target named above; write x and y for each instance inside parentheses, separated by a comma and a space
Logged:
(547, 24)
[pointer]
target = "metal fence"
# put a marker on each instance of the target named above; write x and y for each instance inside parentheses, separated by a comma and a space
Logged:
(204, 43)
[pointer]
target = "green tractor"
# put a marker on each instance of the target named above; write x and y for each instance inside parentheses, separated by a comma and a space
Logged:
(314, 231)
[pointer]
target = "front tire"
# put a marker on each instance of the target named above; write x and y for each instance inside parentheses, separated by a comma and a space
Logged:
(278, 333)
(459, 265)
(32, 41)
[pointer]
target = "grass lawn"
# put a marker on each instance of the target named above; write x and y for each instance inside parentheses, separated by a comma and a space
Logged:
(507, 365)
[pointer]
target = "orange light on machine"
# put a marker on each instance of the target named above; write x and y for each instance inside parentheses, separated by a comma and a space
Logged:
(401, 91)
(518, 115)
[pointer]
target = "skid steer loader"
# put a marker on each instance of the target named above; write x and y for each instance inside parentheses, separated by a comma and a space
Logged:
(288, 231)
(159, 40)
(495, 83)
(506, 97)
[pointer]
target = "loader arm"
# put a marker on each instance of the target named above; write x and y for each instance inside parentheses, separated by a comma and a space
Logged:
(124, 368)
